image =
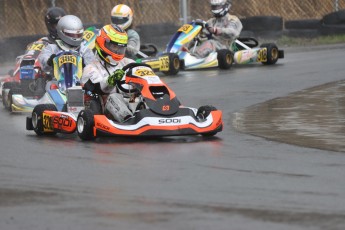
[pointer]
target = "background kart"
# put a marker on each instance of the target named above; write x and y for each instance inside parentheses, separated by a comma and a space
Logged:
(58, 110)
(167, 63)
(67, 66)
(242, 51)
(156, 111)
(27, 78)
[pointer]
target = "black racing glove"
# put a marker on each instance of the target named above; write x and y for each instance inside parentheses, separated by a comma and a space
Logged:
(50, 59)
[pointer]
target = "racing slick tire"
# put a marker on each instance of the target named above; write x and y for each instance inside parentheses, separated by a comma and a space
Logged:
(202, 113)
(9, 100)
(85, 124)
(272, 53)
(225, 59)
(37, 118)
(174, 64)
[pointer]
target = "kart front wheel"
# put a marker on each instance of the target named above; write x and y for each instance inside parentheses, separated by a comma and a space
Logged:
(85, 124)
(225, 59)
(272, 53)
(40, 124)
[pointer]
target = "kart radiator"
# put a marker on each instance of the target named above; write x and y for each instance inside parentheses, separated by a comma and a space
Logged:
(75, 97)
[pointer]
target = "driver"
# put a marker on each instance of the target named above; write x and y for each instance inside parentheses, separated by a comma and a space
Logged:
(70, 35)
(101, 76)
(224, 28)
(122, 16)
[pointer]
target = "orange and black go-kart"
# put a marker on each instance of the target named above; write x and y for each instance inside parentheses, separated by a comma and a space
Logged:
(27, 77)
(156, 111)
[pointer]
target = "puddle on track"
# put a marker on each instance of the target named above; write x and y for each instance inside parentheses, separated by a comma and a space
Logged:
(314, 117)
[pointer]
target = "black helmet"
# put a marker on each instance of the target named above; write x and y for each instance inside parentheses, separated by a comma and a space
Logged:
(51, 19)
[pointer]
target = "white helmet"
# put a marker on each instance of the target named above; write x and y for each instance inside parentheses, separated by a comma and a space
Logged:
(122, 16)
(70, 30)
(220, 8)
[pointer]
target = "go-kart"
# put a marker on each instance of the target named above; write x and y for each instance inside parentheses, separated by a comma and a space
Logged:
(167, 63)
(155, 108)
(27, 78)
(242, 51)
(57, 110)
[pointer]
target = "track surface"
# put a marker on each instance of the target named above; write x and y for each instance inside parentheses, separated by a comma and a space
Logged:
(232, 181)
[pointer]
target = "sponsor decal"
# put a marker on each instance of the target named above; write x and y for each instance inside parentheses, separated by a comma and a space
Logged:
(62, 122)
(169, 121)
(103, 126)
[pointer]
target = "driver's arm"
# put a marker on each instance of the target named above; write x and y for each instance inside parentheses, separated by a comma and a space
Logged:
(133, 45)
(230, 29)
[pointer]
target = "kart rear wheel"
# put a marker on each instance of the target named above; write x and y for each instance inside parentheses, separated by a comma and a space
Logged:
(85, 124)
(225, 59)
(272, 53)
(202, 113)
(38, 122)
(9, 97)
(174, 64)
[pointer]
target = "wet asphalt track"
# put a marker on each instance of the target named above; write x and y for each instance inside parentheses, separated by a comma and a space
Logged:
(268, 180)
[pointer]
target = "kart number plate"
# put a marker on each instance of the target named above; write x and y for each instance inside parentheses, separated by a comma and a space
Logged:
(186, 28)
(164, 66)
(262, 55)
(67, 59)
(144, 73)
(88, 35)
(47, 124)
(35, 47)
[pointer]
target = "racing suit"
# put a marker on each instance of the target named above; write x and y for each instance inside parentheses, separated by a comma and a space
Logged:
(133, 45)
(225, 30)
(95, 79)
(51, 49)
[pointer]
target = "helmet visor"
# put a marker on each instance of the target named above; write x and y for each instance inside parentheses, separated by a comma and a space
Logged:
(216, 7)
(115, 48)
(74, 34)
(119, 20)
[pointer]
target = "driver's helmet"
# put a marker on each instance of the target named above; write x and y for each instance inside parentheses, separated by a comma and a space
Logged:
(220, 8)
(70, 30)
(111, 43)
(122, 16)
(51, 19)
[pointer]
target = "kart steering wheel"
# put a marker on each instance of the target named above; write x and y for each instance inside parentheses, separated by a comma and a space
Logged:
(130, 66)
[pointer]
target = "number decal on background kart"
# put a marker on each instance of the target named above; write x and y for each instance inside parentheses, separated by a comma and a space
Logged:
(186, 28)
(36, 46)
(67, 59)
(164, 63)
(47, 124)
(88, 35)
(262, 55)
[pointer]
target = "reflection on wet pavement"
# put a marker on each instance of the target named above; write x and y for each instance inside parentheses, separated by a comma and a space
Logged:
(312, 118)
